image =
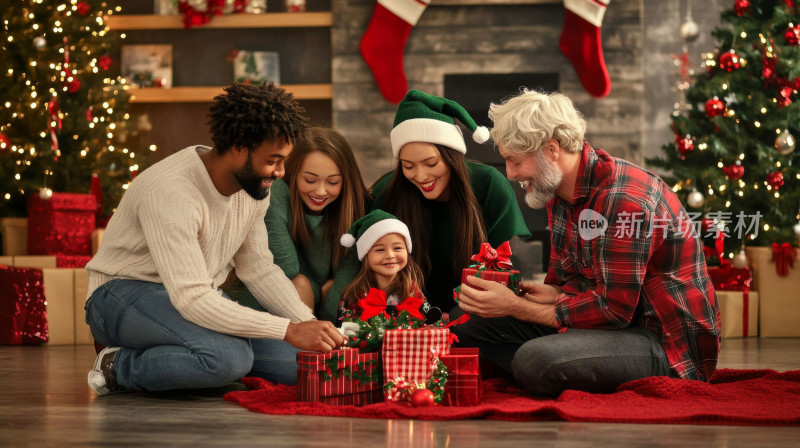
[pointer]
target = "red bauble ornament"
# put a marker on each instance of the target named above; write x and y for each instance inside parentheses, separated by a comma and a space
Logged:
(5, 143)
(735, 172)
(104, 62)
(421, 398)
(792, 35)
(714, 107)
(742, 7)
(73, 86)
(729, 61)
(775, 179)
(83, 8)
(685, 145)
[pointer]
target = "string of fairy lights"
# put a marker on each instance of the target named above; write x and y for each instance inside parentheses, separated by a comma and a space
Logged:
(733, 186)
(44, 87)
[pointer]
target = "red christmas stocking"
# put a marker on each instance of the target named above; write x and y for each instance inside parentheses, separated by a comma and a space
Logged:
(580, 42)
(384, 43)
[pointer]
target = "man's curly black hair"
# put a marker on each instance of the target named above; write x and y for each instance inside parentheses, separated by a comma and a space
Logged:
(247, 115)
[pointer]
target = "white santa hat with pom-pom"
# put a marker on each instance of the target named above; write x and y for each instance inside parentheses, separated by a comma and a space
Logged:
(370, 228)
(422, 117)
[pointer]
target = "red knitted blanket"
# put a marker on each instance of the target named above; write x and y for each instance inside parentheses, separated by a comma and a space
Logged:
(732, 397)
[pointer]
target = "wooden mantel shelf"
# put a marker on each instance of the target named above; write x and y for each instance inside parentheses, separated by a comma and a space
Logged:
(207, 94)
(267, 20)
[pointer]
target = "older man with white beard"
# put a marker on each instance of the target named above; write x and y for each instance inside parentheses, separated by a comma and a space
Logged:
(627, 294)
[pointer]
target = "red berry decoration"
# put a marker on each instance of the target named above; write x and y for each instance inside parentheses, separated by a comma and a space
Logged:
(83, 8)
(104, 62)
(785, 96)
(729, 61)
(792, 35)
(775, 180)
(735, 172)
(714, 107)
(421, 398)
(685, 145)
(73, 86)
(742, 7)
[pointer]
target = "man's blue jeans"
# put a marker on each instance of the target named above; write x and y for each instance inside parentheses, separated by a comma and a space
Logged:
(546, 362)
(161, 350)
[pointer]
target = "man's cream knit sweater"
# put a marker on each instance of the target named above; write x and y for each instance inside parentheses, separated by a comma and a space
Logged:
(173, 227)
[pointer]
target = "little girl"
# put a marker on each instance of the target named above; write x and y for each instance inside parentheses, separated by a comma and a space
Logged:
(383, 243)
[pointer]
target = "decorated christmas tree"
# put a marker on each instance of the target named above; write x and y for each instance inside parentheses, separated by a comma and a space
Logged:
(63, 116)
(734, 159)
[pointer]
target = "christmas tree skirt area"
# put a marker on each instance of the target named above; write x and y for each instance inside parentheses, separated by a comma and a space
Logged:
(732, 397)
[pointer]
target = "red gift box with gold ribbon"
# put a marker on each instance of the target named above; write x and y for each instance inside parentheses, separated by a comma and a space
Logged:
(463, 387)
(737, 303)
(341, 377)
(62, 224)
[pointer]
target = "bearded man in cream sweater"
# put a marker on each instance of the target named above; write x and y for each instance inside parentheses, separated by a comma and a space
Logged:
(154, 297)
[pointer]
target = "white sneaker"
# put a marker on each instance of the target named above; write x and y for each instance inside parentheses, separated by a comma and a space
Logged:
(102, 377)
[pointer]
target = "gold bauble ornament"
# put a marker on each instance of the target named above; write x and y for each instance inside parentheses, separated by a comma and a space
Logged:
(785, 143)
(45, 194)
(740, 260)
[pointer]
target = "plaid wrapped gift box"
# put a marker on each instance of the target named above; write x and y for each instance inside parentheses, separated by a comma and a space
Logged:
(341, 377)
(463, 386)
(410, 353)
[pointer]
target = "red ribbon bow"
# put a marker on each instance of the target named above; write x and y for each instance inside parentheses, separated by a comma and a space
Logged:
(375, 303)
(494, 258)
(783, 255)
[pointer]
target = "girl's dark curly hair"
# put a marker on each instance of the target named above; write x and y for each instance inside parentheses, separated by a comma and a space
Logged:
(247, 115)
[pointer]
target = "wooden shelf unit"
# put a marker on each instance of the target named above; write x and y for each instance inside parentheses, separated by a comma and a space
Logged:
(206, 94)
(118, 22)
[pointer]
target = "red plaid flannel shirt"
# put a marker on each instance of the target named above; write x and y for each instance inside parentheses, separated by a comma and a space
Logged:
(645, 270)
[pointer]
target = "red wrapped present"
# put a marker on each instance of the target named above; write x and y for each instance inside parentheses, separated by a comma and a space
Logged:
(72, 261)
(737, 303)
(23, 312)
(341, 377)
(62, 224)
(463, 387)
(494, 265)
(411, 354)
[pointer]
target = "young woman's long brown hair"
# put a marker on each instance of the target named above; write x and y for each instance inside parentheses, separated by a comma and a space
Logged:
(349, 206)
(407, 203)
(408, 282)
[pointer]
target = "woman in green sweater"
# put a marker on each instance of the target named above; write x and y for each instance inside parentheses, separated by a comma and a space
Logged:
(451, 205)
(319, 198)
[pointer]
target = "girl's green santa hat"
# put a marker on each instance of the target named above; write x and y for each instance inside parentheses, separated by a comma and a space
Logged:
(426, 118)
(370, 228)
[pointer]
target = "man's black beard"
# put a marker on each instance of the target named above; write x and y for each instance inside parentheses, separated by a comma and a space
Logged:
(251, 182)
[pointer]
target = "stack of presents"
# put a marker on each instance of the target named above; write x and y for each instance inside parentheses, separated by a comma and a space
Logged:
(395, 356)
(43, 283)
(757, 291)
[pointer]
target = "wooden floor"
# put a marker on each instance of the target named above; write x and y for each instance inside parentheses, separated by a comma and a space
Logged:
(44, 401)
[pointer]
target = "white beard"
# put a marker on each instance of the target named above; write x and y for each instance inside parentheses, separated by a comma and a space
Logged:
(543, 187)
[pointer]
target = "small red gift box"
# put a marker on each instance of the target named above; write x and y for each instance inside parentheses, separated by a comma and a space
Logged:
(410, 353)
(23, 312)
(510, 278)
(62, 224)
(341, 377)
(463, 387)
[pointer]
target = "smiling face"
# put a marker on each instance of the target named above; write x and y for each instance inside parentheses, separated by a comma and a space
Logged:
(536, 175)
(262, 166)
(319, 181)
(424, 167)
(387, 257)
